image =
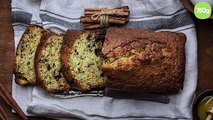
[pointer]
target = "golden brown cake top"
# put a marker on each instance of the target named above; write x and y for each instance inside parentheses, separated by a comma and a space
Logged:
(120, 37)
(140, 60)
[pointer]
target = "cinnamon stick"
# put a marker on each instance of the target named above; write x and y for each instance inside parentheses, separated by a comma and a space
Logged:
(111, 20)
(91, 26)
(10, 101)
(98, 10)
(3, 114)
(123, 14)
(100, 17)
(2, 117)
(124, 11)
(124, 8)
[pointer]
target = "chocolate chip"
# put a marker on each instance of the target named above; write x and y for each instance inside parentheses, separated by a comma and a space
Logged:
(48, 67)
(98, 52)
(31, 52)
(101, 74)
(57, 74)
(89, 37)
(97, 38)
(44, 60)
(22, 48)
(75, 52)
(60, 71)
(57, 77)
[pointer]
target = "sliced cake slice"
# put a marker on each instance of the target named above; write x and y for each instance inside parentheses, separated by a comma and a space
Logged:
(48, 65)
(24, 62)
(81, 61)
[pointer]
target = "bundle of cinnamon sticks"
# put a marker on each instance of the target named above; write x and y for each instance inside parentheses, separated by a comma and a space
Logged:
(103, 17)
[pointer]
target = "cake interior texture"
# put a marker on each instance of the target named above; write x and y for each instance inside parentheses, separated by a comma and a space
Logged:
(50, 71)
(26, 53)
(85, 63)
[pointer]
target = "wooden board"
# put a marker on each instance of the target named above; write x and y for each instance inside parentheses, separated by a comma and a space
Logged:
(7, 54)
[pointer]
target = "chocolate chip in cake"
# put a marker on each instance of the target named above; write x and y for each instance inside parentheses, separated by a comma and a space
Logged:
(97, 39)
(102, 75)
(89, 36)
(98, 52)
(22, 48)
(57, 74)
(60, 71)
(57, 77)
(44, 60)
(48, 67)
(101, 55)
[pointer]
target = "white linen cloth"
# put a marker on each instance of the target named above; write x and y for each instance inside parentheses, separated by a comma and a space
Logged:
(60, 15)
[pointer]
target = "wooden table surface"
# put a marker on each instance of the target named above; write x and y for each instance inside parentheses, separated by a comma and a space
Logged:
(205, 54)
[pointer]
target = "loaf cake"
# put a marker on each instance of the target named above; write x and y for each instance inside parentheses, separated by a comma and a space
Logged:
(24, 63)
(81, 61)
(140, 60)
(48, 65)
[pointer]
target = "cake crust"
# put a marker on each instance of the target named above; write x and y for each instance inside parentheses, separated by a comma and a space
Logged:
(140, 60)
(19, 77)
